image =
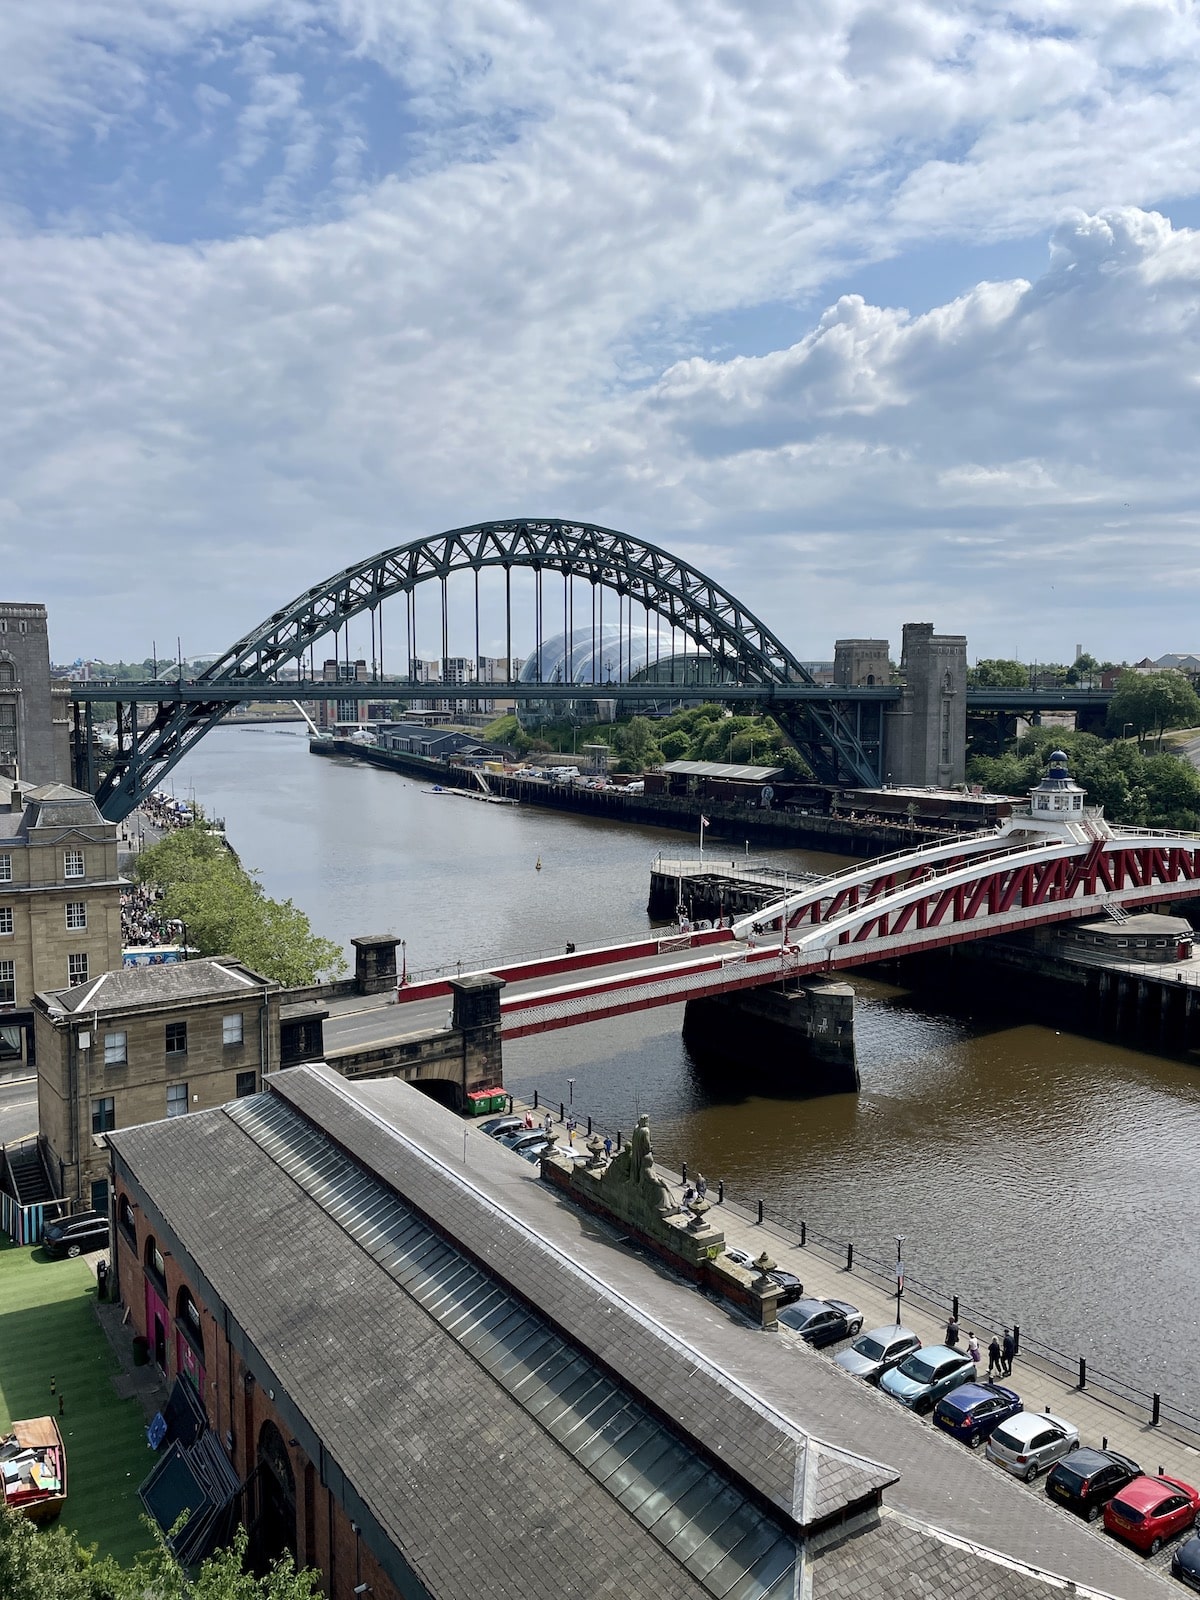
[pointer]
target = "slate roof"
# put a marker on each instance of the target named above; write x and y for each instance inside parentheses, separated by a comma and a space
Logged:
(202, 979)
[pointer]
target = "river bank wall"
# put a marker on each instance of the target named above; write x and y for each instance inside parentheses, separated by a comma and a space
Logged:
(737, 824)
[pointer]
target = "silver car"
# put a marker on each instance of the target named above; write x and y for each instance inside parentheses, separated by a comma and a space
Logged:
(872, 1354)
(1030, 1442)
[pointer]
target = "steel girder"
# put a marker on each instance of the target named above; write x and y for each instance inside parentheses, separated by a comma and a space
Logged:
(704, 611)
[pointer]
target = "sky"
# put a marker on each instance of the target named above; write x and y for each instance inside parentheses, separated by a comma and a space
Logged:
(875, 313)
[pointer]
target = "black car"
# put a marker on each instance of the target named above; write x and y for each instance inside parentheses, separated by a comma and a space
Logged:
(1185, 1563)
(822, 1322)
(1087, 1478)
(71, 1236)
(790, 1287)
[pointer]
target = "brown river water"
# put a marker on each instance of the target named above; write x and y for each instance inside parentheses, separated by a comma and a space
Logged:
(1047, 1178)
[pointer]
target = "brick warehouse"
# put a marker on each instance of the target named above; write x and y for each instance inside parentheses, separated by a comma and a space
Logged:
(434, 1377)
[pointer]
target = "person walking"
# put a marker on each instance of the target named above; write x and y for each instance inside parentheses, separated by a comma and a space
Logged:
(701, 1186)
(1008, 1351)
(995, 1358)
(973, 1348)
(952, 1332)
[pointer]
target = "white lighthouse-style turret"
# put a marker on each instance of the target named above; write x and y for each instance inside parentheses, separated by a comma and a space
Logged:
(1056, 806)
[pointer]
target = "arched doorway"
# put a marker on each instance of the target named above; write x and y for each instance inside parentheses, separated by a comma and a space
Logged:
(275, 1527)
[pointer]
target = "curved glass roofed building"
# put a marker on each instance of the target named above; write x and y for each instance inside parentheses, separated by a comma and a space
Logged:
(605, 656)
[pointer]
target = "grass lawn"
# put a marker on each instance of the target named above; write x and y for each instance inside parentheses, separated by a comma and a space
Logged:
(48, 1330)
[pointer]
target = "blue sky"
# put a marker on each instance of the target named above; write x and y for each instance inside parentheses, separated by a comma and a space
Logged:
(878, 315)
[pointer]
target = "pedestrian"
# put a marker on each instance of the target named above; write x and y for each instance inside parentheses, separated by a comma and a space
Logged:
(528, 1120)
(952, 1332)
(571, 1131)
(549, 1126)
(1009, 1351)
(701, 1186)
(995, 1359)
(607, 1148)
(973, 1348)
(689, 1194)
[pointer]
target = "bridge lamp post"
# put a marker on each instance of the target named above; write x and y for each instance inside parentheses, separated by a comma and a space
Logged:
(899, 1275)
(570, 1091)
(1125, 729)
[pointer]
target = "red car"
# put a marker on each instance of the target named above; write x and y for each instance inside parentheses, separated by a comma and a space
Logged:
(1151, 1510)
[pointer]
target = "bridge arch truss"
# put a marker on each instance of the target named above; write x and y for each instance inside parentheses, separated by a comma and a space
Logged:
(742, 649)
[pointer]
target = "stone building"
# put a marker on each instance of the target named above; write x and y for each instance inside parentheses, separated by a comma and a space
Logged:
(926, 734)
(141, 1044)
(60, 900)
(34, 741)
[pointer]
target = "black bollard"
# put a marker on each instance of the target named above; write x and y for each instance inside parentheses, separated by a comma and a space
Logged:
(1154, 1412)
(510, 1105)
(954, 1307)
(1082, 1373)
(803, 1234)
(720, 1191)
(760, 1211)
(1104, 1442)
(562, 1112)
(849, 1256)
(618, 1138)
(1016, 1338)
(589, 1127)
(683, 1170)
(535, 1099)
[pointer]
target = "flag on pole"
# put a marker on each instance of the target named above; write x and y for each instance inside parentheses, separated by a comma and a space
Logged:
(704, 822)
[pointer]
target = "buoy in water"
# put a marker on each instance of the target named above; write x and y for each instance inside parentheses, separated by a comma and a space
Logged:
(537, 866)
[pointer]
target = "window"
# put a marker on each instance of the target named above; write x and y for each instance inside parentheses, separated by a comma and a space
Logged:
(6, 919)
(152, 1256)
(8, 983)
(76, 914)
(8, 675)
(114, 1050)
(5, 868)
(100, 1195)
(246, 1084)
(72, 863)
(77, 967)
(104, 1115)
(125, 1217)
(177, 1099)
(231, 1029)
(177, 1038)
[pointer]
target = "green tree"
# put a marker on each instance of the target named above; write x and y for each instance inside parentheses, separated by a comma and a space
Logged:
(1151, 702)
(227, 913)
(998, 673)
(1083, 668)
(49, 1564)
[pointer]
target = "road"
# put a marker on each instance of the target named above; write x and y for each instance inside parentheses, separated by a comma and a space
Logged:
(18, 1109)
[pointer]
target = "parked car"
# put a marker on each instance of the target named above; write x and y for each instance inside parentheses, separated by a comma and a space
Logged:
(495, 1127)
(921, 1379)
(521, 1138)
(1149, 1511)
(789, 1284)
(1085, 1480)
(971, 1411)
(872, 1354)
(71, 1236)
(1185, 1563)
(1029, 1443)
(822, 1322)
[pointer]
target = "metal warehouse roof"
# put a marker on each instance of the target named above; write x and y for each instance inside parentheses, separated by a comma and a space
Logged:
(721, 769)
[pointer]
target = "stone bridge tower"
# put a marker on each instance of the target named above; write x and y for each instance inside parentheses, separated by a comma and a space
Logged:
(925, 742)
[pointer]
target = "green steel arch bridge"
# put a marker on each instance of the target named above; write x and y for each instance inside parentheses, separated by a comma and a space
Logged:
(667, 614)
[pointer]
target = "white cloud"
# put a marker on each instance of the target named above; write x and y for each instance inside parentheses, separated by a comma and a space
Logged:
(505, 320)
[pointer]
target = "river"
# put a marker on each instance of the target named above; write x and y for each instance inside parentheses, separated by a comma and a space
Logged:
(1047, 1176)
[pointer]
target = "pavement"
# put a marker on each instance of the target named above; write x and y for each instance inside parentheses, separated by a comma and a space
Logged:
(1103, 1419)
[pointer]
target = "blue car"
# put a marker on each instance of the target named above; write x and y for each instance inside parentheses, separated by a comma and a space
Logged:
(971, 1411)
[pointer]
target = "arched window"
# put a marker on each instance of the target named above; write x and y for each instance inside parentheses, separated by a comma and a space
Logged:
(189, 1340)
(126, 1218)
(8, 675)
(276, 1526)
(152, 1256)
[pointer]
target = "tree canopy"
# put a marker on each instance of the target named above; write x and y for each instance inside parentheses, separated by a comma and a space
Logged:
(48, 1563)
(226, 911)
(998, 673)
(1135, 788)
(1151, 702)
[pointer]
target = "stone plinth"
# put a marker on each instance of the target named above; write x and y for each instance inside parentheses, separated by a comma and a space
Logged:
(374, 962)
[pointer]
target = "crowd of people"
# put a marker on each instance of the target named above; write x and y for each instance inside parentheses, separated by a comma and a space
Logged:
(165, 813)
(141, 918)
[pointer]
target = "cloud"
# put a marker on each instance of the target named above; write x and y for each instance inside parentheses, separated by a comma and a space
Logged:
(467, 258)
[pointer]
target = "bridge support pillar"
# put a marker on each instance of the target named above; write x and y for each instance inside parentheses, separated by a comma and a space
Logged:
(799, 1040)
(476, 1019)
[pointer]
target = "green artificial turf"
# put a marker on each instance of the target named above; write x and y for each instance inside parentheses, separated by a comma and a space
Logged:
(48, 1330)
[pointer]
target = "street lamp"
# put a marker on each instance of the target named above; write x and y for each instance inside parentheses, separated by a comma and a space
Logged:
(1125, 728)
(571, 1091)
(899, 1276)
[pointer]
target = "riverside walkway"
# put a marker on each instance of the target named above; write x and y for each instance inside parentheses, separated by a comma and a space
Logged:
(1105, 1416)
